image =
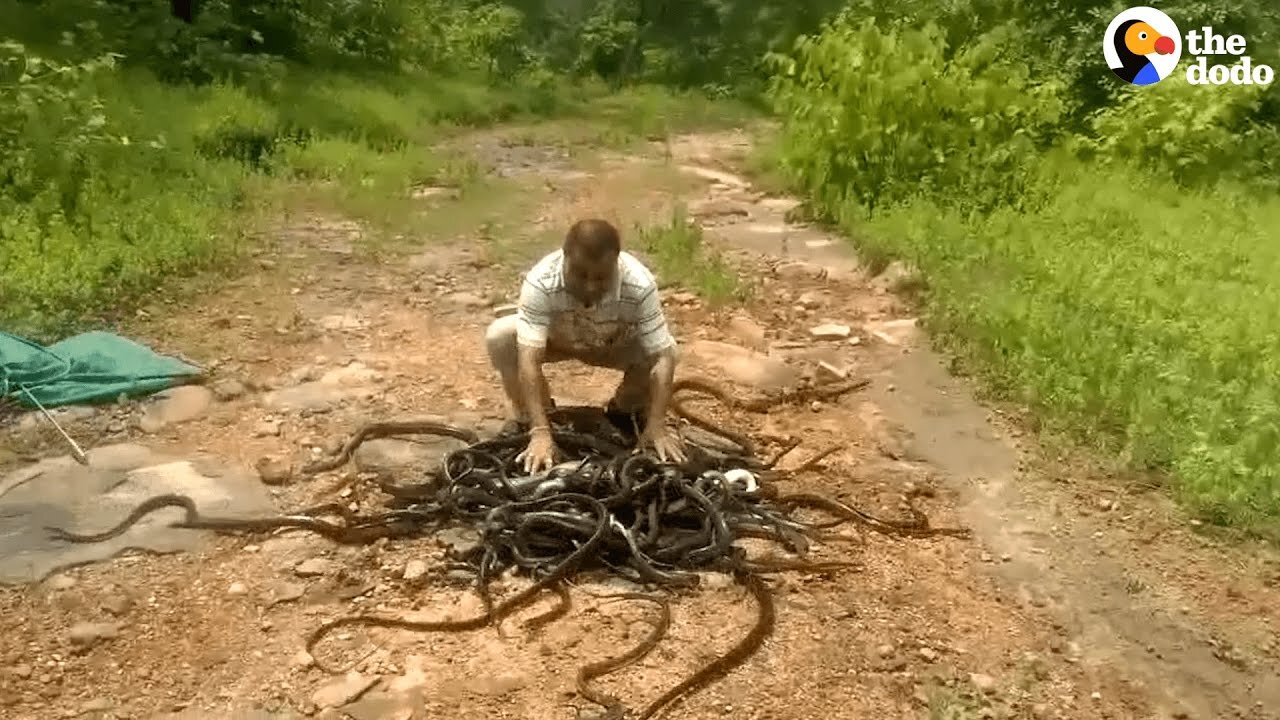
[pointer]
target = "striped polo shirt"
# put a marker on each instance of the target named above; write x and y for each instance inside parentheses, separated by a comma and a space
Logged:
(630, 312)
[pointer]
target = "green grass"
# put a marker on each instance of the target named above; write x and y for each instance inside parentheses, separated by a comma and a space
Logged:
(176, 178)
(1120, 285)
(679, 254)
(1133, 315)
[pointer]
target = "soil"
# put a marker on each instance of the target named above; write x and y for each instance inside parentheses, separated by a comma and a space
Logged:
(1082, 594)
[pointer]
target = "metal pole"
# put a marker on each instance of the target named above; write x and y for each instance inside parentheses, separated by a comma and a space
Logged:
(76, 452)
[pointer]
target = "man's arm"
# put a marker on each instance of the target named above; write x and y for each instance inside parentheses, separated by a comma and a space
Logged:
(533, 322)
(531, 383)
(655, 337)
(661, 378)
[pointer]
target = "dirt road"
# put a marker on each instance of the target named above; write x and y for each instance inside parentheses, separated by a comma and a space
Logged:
(1082, 594)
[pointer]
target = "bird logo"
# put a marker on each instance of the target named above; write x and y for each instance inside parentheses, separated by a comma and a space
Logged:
(1142, 46)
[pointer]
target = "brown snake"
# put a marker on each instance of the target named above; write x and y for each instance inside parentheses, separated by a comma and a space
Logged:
(388, 429)
(736, 656)
(496, 613)
(305, 519)
(614, 709)
(755, 405)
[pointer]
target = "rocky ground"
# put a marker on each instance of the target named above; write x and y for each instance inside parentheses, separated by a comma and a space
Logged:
(1082, 594)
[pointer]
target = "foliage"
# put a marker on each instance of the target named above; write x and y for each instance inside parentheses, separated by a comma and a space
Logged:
(878, 96)
(680, 254)
(1099, 253)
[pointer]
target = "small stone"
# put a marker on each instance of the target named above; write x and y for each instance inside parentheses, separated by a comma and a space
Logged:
(314, 567)
(22, 670)
(1095, 695)
(274, 470)
(830, 331)
(748, 332)
(884, 651)
(88, 634)
(267, 428)
(343, 691)
(1040, 711)
(1104, 504)
(855, 340)
(238, 588)
(414, 570)
(228, 389)
(831, 372)
(285, 592)
(929, 654)
(816, 406)
(809, 301)
(177, 405)
(61, 582)
(984, 683)
(302, 659)
(97, 705)
(117, 604)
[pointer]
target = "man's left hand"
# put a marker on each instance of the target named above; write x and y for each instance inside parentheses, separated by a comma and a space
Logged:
(665, 443)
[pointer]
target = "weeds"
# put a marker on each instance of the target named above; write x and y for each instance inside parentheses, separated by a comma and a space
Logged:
(680, 255)
(1116, 284)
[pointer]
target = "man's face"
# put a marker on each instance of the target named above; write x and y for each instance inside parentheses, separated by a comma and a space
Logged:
(588, 279)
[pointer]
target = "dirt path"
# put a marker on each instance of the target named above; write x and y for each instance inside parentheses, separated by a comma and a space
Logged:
(1081, 596)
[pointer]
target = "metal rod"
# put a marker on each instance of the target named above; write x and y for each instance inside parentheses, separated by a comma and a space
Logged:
(76, 452)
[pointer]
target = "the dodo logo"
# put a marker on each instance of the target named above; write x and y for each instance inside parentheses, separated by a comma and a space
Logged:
(1142, 46)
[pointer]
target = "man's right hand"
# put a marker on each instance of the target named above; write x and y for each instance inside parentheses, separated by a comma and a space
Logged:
(540, 455)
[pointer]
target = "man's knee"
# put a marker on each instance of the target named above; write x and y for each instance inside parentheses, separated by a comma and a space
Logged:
(500, 342)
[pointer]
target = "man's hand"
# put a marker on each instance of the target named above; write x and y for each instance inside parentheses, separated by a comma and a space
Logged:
(664, 441)
(540, 455)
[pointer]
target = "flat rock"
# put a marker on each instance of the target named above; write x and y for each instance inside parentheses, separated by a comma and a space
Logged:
(715, 176)
(343, 690)
(389, 455)
(830, 331)
(176, 405)
(227, 389)
(315, 567)
(716, 208)
(59, 492)
(335, 387)
(748, 332)
(903, 331)
(743, 365)
(88, 634)
(498, 684)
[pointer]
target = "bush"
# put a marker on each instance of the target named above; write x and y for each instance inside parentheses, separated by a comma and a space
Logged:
(1109, 263)
(876, 117)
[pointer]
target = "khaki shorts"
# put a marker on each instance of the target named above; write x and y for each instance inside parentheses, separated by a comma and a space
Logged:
(632, 394)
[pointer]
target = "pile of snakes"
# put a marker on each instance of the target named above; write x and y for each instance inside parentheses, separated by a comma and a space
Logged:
(605, 508)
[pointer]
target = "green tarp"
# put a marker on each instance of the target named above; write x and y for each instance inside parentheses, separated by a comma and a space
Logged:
(88, 368)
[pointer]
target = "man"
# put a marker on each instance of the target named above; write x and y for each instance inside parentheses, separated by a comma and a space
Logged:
(588, 301)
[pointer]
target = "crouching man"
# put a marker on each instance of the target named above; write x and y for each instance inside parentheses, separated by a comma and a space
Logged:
(592, 303)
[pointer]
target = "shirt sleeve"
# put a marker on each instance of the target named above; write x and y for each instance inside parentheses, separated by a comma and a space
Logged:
(651, 324)
(533, 315)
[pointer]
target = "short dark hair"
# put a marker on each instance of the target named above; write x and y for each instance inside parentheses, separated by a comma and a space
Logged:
(593, 240)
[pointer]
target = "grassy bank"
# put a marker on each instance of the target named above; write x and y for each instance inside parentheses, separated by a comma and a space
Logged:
(119, 183)
(1117, 278)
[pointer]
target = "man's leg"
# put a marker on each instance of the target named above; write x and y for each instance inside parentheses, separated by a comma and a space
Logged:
(504, 355)
(630, 401)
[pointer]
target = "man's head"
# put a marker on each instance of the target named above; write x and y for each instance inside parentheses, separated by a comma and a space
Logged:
(591, 259)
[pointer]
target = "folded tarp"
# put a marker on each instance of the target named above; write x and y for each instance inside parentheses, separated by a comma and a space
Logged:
(88, 368)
